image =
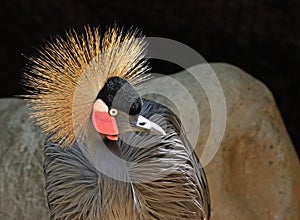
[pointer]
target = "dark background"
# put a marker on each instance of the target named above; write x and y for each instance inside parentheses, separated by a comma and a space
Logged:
(262, 37)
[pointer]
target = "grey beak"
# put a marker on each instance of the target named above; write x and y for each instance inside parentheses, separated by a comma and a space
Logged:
(149, 126)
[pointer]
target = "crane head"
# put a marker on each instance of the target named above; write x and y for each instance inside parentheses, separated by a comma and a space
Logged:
(117, 110)
(88, 76)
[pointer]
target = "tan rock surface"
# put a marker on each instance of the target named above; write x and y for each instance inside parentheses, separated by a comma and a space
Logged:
(256, 172)
(254, 175)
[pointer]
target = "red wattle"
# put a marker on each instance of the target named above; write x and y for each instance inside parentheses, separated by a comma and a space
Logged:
(112, 137)
(104, 123)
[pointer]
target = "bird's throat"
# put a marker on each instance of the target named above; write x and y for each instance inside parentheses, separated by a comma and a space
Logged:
(113, 146)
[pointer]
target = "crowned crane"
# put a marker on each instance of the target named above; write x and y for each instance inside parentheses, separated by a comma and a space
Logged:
(109, 153)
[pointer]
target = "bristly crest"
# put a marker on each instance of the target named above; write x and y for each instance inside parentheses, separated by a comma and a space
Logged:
(65, 78)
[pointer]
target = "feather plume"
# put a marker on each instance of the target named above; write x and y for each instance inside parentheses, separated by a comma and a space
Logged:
(66, 76)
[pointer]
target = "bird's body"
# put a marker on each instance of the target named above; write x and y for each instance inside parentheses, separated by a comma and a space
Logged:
(177, 194)
(139, 166)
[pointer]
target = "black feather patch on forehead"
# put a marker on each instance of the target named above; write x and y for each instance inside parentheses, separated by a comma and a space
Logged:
(118, 93)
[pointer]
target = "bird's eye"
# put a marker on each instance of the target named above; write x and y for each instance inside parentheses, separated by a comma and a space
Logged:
(113, 112)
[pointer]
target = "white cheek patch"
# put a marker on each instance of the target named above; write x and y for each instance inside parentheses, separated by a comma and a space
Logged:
(100, 106)
(103, 122)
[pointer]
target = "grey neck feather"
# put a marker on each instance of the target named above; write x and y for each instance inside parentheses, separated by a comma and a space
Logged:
(105, 156)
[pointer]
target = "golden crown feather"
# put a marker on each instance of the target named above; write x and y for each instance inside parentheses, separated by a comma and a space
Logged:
(66, 76)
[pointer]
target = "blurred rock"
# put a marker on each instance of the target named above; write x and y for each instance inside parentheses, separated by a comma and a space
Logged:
(255, 173)
(21, 154)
